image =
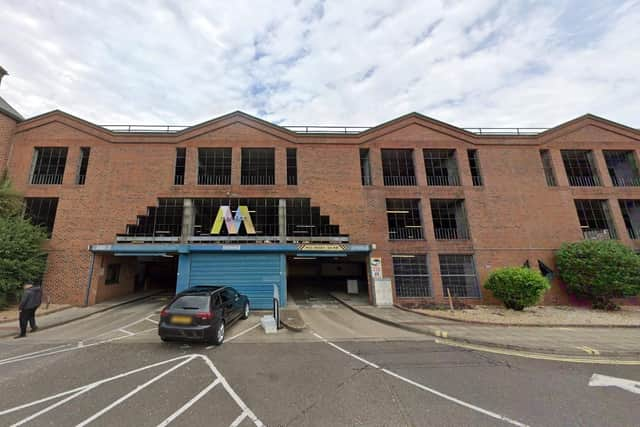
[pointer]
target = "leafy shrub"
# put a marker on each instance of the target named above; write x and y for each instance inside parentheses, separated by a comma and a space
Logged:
(599, 270)
(517, 287)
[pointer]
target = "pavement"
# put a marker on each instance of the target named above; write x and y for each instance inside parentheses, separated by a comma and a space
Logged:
(342, 370)
(70, 314)
(596, 342)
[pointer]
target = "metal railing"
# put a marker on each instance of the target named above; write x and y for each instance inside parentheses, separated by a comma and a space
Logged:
(82, 179)
(451, 234)
(46, 179)
(625, 182)
(406, 234)
(178, 180)
(477, 180)
(584, 181)
(292, 180)
(214, 179)
(597, 234)
(399, 180)
(443, 180)
(329, 130)
(257, 180)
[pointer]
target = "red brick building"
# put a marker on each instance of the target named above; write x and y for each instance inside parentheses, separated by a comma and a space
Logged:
(437, 206)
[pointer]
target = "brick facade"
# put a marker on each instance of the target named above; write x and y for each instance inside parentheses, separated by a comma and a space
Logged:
(513, 217)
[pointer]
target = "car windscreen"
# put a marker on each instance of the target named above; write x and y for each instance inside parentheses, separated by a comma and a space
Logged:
(192, 302)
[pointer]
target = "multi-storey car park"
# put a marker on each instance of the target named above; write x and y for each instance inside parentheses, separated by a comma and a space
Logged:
(427, 206)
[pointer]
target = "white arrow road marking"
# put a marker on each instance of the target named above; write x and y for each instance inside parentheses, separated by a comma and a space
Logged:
(598, 380)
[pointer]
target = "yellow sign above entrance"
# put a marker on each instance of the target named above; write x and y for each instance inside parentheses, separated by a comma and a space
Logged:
(322, 247)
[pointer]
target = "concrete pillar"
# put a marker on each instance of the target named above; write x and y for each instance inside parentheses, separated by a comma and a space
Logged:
(282, 220)
(188, 218)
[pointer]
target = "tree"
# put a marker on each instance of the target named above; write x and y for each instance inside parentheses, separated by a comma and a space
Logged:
(517, 287)
(599, 270)
(21, 254)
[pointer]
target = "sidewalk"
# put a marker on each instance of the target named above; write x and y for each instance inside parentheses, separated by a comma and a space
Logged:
(583, 341)
(10, 328)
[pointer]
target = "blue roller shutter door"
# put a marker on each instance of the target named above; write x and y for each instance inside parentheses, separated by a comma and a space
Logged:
(251, 274)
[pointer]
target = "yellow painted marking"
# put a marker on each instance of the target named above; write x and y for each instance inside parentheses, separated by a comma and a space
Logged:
(540, 356)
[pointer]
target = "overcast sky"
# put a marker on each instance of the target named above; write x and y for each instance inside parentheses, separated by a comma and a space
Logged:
(472, 63)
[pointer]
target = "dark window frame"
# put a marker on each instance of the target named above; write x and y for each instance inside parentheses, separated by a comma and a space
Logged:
(411, 276)
(441, 167)
(449, 218)
(48, 166)
(180, 166)
(616, 158)
(258, 166)
(628, 207)
(214, 165)
(547, 168)
(365, 167)
(83, 165)
(398, 167)
(41, 211)
(580, 167)
(404, 219)
(458, 279)
(292, 166)
(594, 216)
(475, 168)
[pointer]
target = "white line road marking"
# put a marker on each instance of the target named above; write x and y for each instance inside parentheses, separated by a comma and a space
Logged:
(126, 332)
(238, 420)
(189, 404)
(239, 334)
(589, 350)
(425, 388)
(72, 394)
(35, 352)
(133, 392)
(598, 380)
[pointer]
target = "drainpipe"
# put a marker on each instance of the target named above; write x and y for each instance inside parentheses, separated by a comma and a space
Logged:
(86, 297)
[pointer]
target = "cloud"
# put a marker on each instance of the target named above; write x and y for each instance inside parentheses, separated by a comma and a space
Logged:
(480, 63)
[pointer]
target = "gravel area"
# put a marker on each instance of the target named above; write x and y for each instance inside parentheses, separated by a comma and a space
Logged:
(547, 315)
(11, 313)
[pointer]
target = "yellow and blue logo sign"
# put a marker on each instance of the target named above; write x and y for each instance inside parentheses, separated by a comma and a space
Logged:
(233, 223)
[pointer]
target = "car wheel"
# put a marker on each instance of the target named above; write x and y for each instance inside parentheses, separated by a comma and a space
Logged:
(164, 339)
(245, 311)
(218, 337)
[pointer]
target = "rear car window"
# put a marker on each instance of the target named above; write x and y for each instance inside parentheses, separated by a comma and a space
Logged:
(192, 302)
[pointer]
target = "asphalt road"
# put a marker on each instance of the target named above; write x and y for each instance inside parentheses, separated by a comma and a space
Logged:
(111, 369)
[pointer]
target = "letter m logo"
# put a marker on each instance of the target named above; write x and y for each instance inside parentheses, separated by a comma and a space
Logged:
(233, 223)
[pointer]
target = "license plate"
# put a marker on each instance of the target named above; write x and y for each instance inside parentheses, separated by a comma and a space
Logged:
(181, 320)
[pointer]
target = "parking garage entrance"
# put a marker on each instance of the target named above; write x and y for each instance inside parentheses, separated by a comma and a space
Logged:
(312, 278)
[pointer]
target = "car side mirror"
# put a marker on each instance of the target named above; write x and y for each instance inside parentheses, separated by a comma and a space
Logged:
(237, 297)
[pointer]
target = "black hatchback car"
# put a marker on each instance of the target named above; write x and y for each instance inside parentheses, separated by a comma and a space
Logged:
(201, 313)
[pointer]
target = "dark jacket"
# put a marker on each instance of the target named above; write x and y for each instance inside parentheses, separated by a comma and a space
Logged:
(31, 298)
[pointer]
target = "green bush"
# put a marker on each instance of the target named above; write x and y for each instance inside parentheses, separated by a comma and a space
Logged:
(599, 270)
(517, 287)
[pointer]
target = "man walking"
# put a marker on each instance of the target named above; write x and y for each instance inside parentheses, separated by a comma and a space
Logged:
(31, 299)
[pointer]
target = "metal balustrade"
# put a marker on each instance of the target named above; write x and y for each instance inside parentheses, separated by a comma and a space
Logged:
(451, 180)
(406, 234)
(214, 179)
(451, 234)
(584, 181)
(625, 182)
(596, 234)
(46, 179)
(257, 180)
(399, 180)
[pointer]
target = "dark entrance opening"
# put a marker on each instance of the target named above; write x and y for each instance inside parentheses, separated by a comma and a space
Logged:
(156, 273)
(311, 279)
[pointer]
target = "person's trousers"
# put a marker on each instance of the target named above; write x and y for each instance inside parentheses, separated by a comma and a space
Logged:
(27, 315)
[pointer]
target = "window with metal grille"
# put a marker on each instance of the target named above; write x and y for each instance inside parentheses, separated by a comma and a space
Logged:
(397, 167)
(622, 168)
(449, 219)
(365, 166)
(181, 162)
(403, 217)
(474, 167)
(214, 166)
(292, 167)
(547, 166)
(304, 220)
(42, 212)
(411, 276)
(458, 275)
(631, 214)
(441, 167)
(580, 167)
(164, 220)
(48, 165)
(112, 275)
(263, 212)
(595, 219)
(83, 165)
(258, 166)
